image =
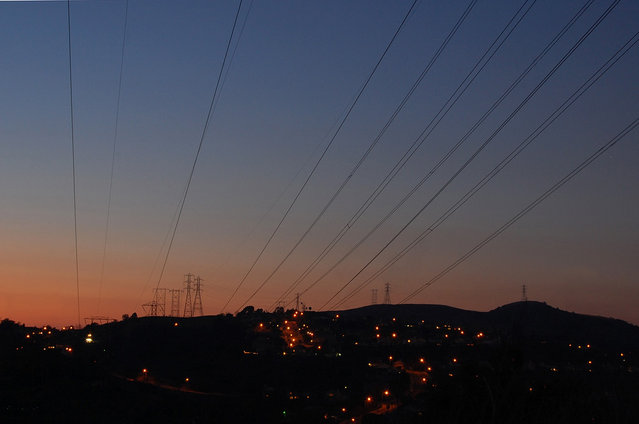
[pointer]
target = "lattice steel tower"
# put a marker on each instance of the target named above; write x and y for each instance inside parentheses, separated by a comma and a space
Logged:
(188, 303)
(387, 300)
(175, 302)
(197, 299)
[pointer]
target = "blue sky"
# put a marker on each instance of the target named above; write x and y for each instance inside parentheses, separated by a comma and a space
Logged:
(296, 68)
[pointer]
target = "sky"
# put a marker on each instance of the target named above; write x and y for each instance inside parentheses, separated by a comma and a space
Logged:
(293, 70)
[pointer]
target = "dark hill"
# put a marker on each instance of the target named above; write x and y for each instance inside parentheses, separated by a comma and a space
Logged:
(519, 320)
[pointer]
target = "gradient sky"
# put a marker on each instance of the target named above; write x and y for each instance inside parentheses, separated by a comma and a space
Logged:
(296, 68)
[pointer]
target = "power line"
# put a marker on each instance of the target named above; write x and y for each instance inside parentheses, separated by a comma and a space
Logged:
(464, 138)
(417, 143)
(483, 145)
(237, 43)
(328, 145)
(75, 207)
(115, 138)
(621, 52)
(279, 197)
(529, 207)
(199, 148)
(372, 145)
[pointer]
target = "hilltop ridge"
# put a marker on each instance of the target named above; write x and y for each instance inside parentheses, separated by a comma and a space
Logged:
(529, 319)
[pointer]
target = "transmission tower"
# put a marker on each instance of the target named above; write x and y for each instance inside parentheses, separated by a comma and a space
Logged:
(297, 302)
(175, 302)
(387, 300)
(197, 300)
(156, 307)
(374, 297)
(160, 301)
(524, 296)
(188, 303)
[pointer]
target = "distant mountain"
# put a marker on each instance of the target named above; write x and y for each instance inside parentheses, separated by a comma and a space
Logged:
(519, 320)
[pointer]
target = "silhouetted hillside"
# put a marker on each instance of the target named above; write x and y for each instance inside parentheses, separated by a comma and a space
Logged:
(519, 320)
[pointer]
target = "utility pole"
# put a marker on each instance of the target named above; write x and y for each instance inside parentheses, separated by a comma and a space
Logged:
(374, 297)
(387, 300)
(197, 300)
(188, 303)
(297, 302)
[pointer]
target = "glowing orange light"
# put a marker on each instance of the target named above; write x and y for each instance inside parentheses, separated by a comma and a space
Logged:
(377, 335)
(377, 328)
(429, 369)
(421, 360)
(394, 335)
(144, 370)
(29, 336)
(369, 399)
(175, 324)
(261, 325)
(386, 393)
(454, 359)
(390, 358)
(337, 316)
(343, 409)
(621, 354)
(186, 379)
